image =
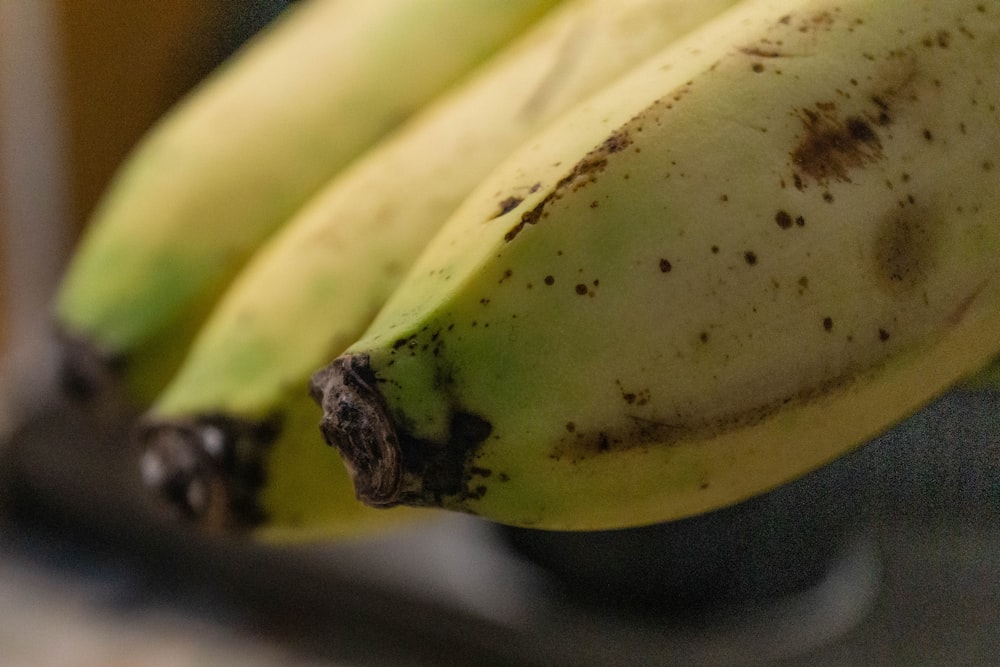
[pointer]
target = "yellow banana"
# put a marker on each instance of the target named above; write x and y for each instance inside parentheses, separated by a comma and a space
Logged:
(747, 257)
(314, 287)
(241, 154)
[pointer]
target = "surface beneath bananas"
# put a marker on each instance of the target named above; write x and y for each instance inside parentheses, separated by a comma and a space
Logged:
(80, 561)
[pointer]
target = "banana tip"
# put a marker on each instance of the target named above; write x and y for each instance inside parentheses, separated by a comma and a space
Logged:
(356, 422)
(207, 471)
(388, 464)
(183, 476)
(86, 370)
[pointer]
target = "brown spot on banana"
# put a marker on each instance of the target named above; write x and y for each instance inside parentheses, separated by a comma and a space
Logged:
(651, 431)
(582, 173)
(904, 252)
(830, 146)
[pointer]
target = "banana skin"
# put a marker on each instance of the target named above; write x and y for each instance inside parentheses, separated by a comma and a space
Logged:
(240, 391)
(746, 258)
(236, 158)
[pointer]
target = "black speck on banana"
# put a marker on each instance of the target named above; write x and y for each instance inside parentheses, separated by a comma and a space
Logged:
(233, 438)
(744, 259)
(237, 158)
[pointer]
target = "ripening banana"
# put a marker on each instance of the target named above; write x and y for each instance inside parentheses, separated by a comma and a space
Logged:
(745, 258)
(317, 284)
(244, 151)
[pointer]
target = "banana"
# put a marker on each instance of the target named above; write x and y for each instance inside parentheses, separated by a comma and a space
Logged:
(244, 151)
(317, 284)
(745, 258)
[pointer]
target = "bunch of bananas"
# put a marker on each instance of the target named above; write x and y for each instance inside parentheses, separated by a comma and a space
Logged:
(647, 259)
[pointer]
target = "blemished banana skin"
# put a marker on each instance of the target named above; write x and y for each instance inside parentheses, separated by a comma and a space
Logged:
(318, 283)
(235, 159)
(749, 256)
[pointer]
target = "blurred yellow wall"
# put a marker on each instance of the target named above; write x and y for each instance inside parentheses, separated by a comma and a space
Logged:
(125, 63)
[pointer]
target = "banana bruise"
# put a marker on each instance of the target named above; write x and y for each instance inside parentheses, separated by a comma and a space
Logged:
(240, 155)
(746, 258)
(233, 437)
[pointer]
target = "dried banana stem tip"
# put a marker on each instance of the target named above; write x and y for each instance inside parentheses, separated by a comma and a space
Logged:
(183, 475)
(207, 471)
(356, 422)
(86, 371)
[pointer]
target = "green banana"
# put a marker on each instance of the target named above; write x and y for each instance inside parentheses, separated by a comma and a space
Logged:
(747, 257)
(245, 150)
(317, 284)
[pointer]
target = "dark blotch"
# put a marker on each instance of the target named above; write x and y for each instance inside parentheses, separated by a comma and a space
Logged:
(400, 343)
(582, 173)
(508, 205)
(860, 130)
(445, 469)
(761, 52)
(830, 148)
(905, 249)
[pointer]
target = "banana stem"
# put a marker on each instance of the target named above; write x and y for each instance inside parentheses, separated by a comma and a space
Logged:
(208, 471)
(356, 422)
(387, 464)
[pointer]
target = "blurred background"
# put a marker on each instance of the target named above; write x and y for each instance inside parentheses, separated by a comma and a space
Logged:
(889, 556)
(80, 82)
